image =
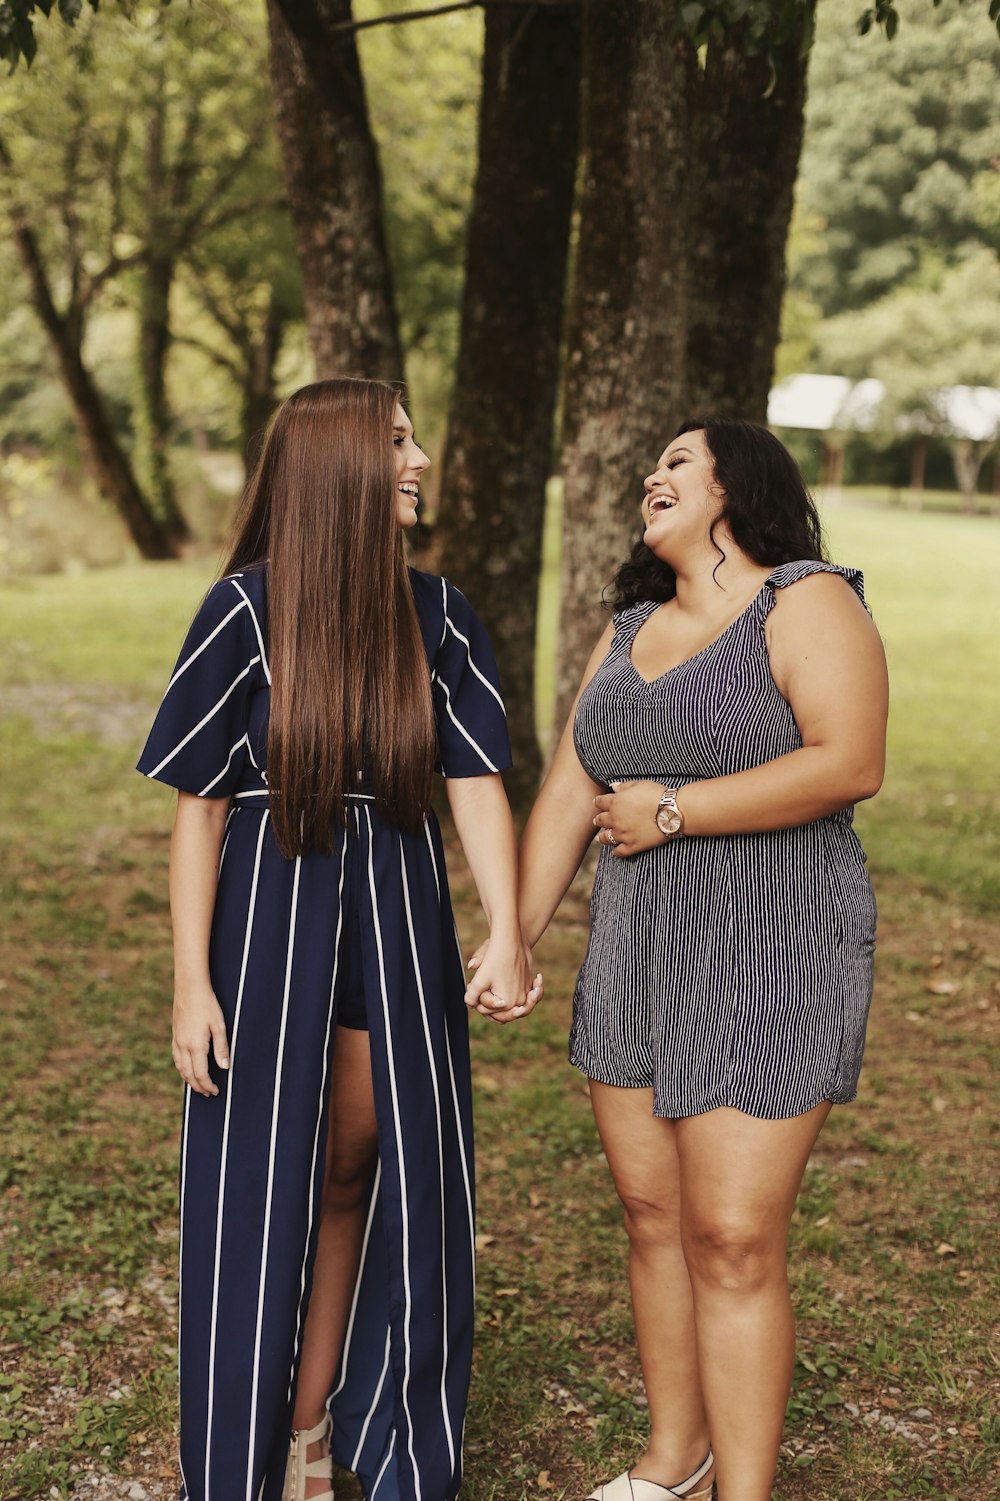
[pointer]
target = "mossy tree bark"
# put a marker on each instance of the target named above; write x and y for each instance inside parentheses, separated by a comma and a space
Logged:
(334, 189)
(746, 123)
(625, 377)
(498, 457)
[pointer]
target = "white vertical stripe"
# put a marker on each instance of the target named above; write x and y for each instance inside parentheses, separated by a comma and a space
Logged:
(385, 1466)
(275, 1108)
(415, 955)
(319, 1112)
(374, 1404)
(466, 1176)
(349, 1332)
(397, 1126)
(213, 1334)
(180, 1250)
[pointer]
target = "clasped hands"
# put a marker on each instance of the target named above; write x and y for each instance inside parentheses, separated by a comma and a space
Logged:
(625, 818)
(503, 986)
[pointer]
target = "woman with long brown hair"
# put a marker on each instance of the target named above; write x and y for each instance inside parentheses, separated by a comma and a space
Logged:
(319, 1016)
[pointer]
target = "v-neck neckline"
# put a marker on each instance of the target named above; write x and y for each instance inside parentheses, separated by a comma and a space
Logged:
(686, 661)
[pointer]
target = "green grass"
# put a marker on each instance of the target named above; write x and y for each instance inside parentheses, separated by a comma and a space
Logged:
(894, 1264)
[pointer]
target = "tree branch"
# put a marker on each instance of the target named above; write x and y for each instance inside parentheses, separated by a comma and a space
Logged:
(399, 18)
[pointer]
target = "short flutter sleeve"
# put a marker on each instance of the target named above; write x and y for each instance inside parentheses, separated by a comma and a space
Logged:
(199, 740)
(471, 722)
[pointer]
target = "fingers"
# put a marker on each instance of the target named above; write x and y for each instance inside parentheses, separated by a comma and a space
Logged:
(220, 1043)
(191, 1062)
(476, 988)
(499, 1009)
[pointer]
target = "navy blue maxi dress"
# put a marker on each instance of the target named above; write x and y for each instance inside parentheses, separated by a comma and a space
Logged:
(290, 938)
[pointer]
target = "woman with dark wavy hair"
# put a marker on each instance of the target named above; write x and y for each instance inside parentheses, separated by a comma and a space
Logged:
(729, 717)
(320, 1021)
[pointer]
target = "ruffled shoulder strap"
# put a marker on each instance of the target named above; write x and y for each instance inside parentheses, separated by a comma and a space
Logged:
(790, 573)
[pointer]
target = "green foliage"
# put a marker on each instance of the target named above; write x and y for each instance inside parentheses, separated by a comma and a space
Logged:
(423, 91)
(901, 149)
(17, 18)
(942, 328)
(81, 127)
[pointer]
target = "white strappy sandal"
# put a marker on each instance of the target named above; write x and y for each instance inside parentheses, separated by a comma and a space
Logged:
(300, 1469)
(628, 1487)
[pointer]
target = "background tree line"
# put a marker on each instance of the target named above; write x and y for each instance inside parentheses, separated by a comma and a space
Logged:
(609, 258)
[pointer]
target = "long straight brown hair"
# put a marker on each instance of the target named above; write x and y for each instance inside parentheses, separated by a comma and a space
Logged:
(350, 689)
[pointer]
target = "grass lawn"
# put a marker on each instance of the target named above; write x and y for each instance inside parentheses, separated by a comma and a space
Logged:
(894, 1257)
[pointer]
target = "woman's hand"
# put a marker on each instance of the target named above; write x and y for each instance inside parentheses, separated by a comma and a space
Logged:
(628, 813)
(198, 1021)
(503, 986)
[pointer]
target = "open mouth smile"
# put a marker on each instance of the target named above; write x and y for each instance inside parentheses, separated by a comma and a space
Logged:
(411, 491)
(658, 503)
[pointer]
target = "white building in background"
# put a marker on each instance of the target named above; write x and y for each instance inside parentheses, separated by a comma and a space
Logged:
(968, 417)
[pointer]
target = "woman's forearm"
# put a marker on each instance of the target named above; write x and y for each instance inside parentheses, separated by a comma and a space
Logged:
(552, 848)
(194, 873)
(798, 788)
(485, 829)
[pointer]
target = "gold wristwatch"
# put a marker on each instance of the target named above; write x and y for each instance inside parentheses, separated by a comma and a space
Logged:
(669, 818)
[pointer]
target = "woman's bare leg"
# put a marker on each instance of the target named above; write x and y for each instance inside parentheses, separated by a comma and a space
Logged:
(642, 1153)
(350, 1156)
(739, 1178)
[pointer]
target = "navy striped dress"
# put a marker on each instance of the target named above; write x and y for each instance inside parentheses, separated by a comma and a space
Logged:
(726, 970)
(289, 937)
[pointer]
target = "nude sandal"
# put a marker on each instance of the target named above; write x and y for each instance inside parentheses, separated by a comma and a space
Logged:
(300, 1469)
(628, 1487)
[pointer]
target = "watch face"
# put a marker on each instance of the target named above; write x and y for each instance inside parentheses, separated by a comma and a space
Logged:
(669, 821)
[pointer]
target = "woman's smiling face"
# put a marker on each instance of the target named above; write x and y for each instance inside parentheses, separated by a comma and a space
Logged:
(411, 461)
(682, 497)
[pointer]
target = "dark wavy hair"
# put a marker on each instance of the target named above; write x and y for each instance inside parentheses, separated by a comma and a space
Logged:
(766, 507)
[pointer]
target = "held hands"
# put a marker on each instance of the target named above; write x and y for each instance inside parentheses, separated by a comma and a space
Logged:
(198, 1020)
(503, 986)
(626, 817)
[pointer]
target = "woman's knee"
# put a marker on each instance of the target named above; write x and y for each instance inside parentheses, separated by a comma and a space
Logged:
(730, 1255)
(348, 1176)
(650, 1220)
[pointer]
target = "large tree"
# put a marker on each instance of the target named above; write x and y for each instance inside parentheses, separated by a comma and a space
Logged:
(746, 94)
(625, 376)
(130, 146)
(499, 454)
(334, 188)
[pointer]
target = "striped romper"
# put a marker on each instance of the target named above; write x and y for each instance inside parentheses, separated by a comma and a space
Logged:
(295, 943)
(733, 969)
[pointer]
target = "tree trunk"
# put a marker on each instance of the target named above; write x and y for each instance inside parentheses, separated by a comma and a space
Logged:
(625, 370)
(152, 413)
(106, 460)
(334, 189)
(499, 451)
(746, 134)
(967, 458)
(259, 398)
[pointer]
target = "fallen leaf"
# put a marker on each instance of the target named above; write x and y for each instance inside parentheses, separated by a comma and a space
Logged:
(943, 987)
(507, 1292)
(944, 1249)
(824, 1219)
(482, 1241)
(544, 1483)
(939, 1104)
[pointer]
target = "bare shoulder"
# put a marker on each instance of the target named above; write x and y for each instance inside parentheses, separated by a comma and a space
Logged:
(819, 602)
